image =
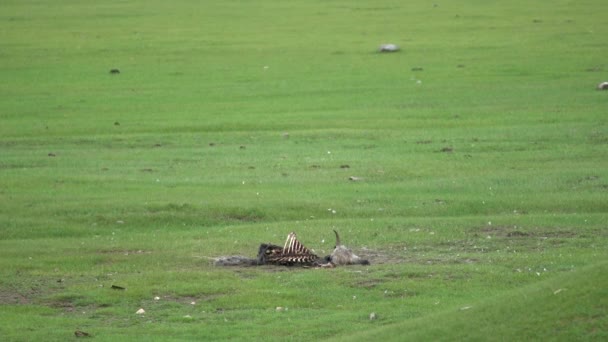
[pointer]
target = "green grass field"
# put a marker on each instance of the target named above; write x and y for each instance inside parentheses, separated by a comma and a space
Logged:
(480, 149)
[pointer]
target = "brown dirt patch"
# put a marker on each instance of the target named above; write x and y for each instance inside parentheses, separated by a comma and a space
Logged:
(11, 297)
(512, 232)
(397, 254)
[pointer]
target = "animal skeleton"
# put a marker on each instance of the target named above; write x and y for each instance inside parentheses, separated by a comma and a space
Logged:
(294, 253)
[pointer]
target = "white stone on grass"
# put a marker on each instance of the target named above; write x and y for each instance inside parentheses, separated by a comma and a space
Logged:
(388, 48)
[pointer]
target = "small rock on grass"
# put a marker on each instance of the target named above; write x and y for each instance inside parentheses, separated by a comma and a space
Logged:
(388, 48)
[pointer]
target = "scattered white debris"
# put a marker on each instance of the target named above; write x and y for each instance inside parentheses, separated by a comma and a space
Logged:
(557, 291)
(372, 316)
(140, 312)
(156, 298)
(192, 303)
(187, 316)
(280, 308)
(602, 86)
(465, 308)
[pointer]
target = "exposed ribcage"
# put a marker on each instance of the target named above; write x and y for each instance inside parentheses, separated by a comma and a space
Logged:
(294, 247)
(292, 253)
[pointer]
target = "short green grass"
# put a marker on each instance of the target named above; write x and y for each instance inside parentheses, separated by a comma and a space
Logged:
(481, 149)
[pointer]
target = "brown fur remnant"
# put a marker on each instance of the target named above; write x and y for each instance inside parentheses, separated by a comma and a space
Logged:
(342, 255)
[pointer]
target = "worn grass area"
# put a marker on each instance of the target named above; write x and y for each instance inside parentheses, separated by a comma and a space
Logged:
(479, 153)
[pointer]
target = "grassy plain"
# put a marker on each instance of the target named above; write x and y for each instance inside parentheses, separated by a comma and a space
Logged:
(481, 148)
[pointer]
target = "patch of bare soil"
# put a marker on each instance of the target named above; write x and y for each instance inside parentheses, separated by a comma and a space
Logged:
(46, 292)
(399, 254)
(384, 256)
(543, 232)
(26, 291)
(12, 297)
(63, 304)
